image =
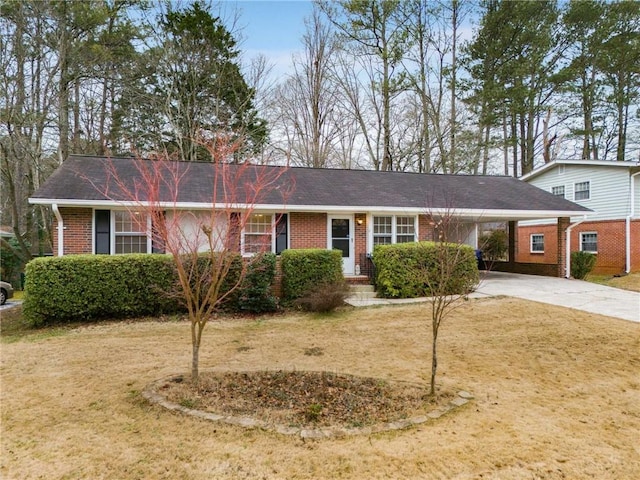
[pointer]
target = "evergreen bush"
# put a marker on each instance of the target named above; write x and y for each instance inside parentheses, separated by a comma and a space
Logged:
(410, 270)
(304, 269)
(582, 264)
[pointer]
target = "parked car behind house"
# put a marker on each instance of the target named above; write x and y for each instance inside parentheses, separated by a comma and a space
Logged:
(6, 292)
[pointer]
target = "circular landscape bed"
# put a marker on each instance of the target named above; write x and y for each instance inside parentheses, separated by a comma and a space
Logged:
(311, 404)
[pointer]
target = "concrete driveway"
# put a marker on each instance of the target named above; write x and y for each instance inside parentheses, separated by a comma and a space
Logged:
(577, 294)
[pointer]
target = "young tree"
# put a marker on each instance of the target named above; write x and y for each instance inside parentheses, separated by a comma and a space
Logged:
(450, 273)
(205, 244)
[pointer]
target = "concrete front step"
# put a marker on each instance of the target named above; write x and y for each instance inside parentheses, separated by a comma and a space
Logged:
(361, 292)
(361, 288)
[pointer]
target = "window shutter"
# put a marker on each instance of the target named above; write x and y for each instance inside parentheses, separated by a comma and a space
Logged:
(103, 231)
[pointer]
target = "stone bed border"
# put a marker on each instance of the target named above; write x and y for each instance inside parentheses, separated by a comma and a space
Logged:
(151, 394)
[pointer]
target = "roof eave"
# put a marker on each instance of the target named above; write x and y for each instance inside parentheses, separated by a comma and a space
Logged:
(471, 213)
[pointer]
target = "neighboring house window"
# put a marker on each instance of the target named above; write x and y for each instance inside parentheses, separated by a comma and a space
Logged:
(130, 232)
(558, 191)
(537, 243)
(582, 191)
(589, 242)
(258, 235)
(393, 229)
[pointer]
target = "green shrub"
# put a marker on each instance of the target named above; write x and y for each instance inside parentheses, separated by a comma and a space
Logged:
(255, 295)
(324, 298)
(87, 287)
(494, 245)
(306, 268)
(412, 270)
(91, 287)
(11, 262)
(582, 264)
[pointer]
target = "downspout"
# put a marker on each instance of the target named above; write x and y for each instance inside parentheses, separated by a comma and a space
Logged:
(568, 246)
(628, 224)
(56, 212)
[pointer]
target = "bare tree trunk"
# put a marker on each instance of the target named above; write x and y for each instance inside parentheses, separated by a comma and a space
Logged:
(434, 360)
(63, 93)
(453, 121)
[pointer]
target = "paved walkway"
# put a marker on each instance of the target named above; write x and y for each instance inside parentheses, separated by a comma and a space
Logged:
(578, 294)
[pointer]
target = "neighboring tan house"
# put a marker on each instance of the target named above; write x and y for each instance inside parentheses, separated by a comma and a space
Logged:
(351, 210)
(612, 191)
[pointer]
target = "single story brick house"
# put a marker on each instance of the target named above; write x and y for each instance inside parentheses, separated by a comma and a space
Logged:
(351, 210)
(612, 232)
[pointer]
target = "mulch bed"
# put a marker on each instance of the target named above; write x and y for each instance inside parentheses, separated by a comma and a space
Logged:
(300, 398)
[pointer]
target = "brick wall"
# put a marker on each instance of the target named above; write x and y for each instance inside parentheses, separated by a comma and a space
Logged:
(361, 242)
(425, 228)
(611, 244)
(77, 231)
(308, 230)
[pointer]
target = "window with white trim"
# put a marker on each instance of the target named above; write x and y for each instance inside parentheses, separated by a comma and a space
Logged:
(258, 233)
(582, 191)
(589, 242)
(130, 232)
(558, 191)
(537, 243)
(390, 229)
(405, 229)
(382, 230)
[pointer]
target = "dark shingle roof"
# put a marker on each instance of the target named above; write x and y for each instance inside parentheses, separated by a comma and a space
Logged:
(86, 179)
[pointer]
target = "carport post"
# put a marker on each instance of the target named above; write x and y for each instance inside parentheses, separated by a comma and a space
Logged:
(564, 245)
(513, 243)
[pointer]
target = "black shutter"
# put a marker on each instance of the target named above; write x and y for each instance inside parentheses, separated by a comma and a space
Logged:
(157, 246)
(103, 231)
(281, 234)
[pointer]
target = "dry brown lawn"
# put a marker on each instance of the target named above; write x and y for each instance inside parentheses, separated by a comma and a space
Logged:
(557, 396)
(626, 282)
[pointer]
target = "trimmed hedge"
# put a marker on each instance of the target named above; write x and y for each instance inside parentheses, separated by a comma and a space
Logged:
(407, 270)
(255, 295)
(304, 269)
(92, 287)
(87, 287)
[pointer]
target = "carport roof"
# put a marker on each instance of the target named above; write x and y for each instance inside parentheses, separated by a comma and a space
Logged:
(91, 181)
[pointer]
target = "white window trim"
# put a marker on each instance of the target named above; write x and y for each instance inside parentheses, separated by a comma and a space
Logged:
(274, 223)
(574, 191)
(564, 193)
(244, 233)
(113, 233)
(416, 223)
(581, 242)
(531, 250)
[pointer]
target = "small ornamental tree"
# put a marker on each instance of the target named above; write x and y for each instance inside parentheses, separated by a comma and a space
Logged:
(205, 243)
(444, 277)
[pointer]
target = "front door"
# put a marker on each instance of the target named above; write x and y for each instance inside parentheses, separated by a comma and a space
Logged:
(341, 238)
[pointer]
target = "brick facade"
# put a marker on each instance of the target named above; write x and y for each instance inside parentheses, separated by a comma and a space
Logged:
(307, 230)
(611, 244)
(78, 231)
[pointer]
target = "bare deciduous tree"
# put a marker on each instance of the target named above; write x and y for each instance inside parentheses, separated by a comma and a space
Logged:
(446, 275)
(204, 244)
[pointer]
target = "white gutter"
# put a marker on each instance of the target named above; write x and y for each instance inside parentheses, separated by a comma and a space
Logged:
(470, 213)
(632, 209)
(568, 246)
(56, 212)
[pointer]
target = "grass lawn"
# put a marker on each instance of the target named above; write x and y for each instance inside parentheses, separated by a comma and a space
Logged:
(627, 282)
(557, 396)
